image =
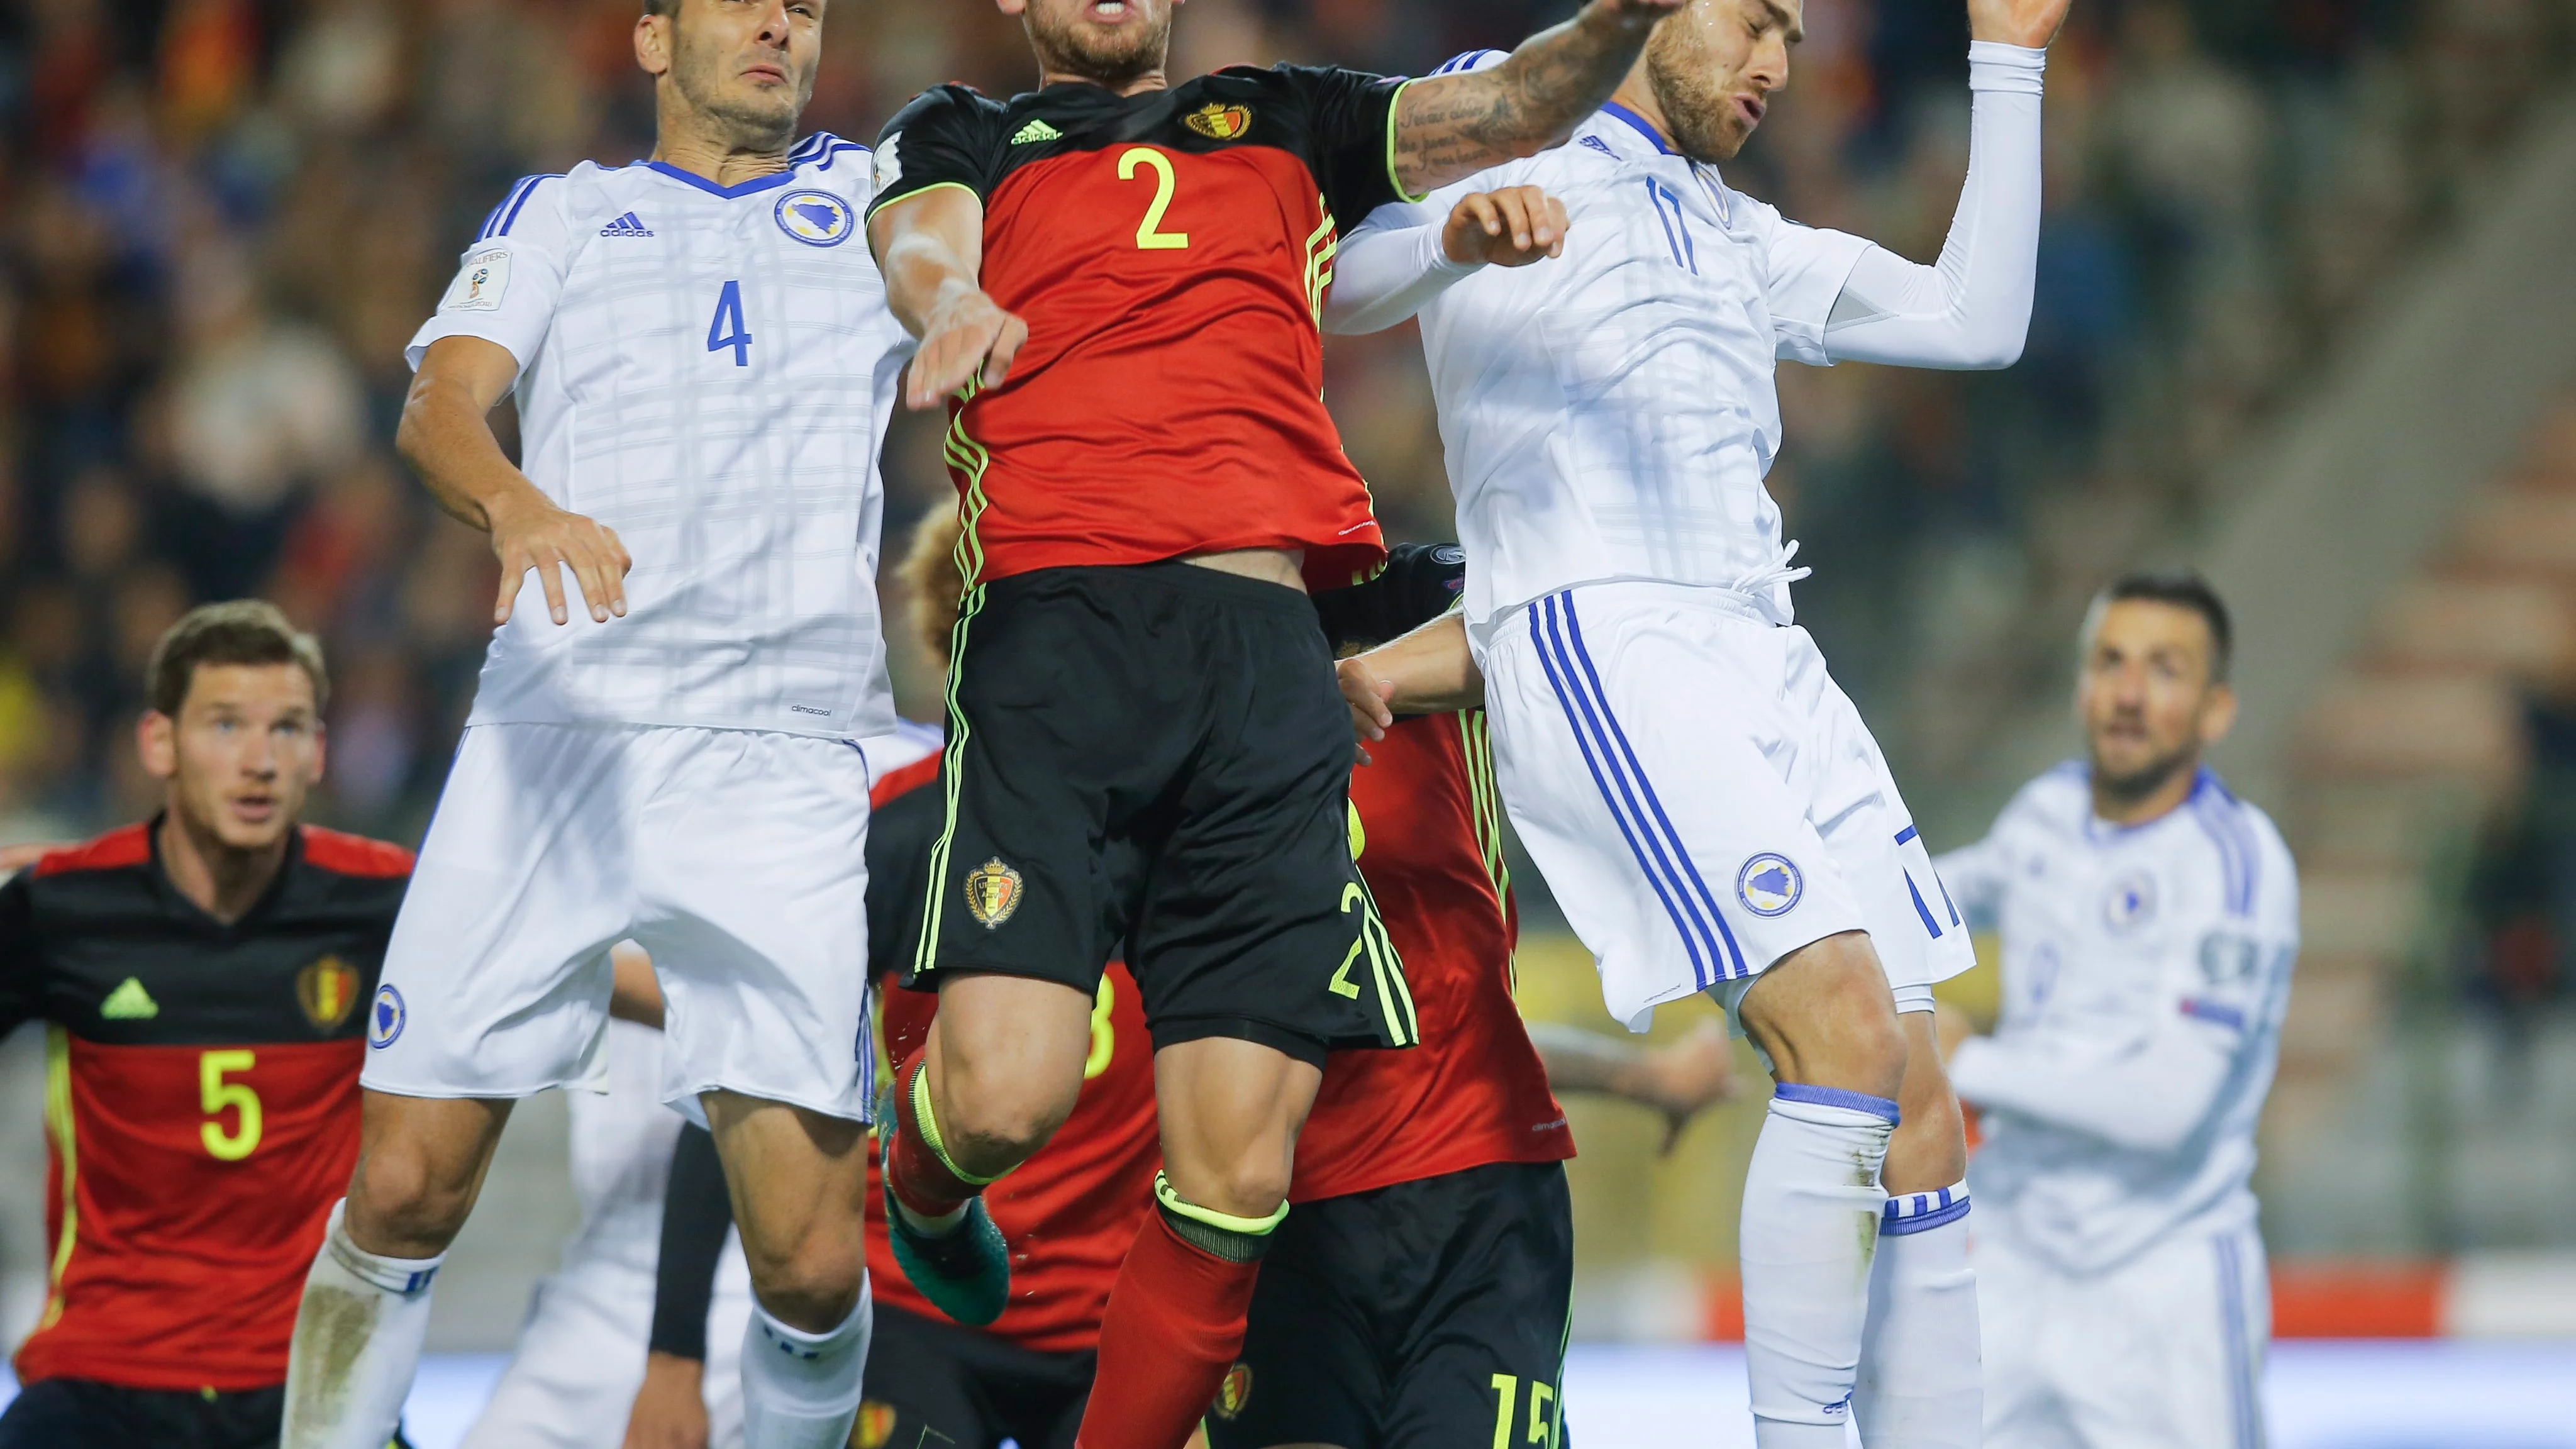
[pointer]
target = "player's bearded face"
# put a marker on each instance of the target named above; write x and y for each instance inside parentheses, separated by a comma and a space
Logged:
(2145, 695)
(750, 67)
(243, 753)
(1110, 42)
(1713, 68)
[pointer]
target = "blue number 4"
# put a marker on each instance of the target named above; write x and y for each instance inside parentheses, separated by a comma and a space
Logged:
(729, 315)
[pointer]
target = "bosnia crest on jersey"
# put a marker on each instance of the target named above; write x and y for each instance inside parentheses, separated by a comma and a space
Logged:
(326, 990)
(992, 893)
(1219, 123)
(816, 218)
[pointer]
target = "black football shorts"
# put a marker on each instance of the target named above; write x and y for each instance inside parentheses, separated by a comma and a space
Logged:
(1428, 1315)
(1159, 754)
(932, 1384)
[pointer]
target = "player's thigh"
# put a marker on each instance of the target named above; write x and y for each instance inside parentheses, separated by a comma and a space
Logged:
(1067, 717)
(802, 1178)
(920, 1387)
(1312, 1369)
(752, 898)
(1643, 750)
(1486, 1355)
(1254, 918)
(496, 979)
(2185, 1346)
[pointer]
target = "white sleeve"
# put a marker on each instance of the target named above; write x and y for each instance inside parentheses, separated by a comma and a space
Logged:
(1390, 268)
(2219, 992)
(1974, 876)
(508, 281)
(1972, 309)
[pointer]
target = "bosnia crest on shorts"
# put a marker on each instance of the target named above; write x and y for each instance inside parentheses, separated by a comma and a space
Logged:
(1769, 884)
(816, 218)
(1233, 1392)
(387, 1018)
(1219, 123)
(326, 990)
(992, 893)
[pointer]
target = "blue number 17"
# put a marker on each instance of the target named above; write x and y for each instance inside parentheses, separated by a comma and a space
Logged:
(729, 315)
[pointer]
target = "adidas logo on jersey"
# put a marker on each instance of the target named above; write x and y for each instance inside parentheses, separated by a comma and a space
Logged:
(129, 1002)
(1036, 130)
(626, 225)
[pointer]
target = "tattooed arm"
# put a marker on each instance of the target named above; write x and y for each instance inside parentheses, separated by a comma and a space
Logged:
(1453, 126)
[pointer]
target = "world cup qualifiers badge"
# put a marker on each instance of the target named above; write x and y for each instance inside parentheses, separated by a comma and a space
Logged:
(992, 893)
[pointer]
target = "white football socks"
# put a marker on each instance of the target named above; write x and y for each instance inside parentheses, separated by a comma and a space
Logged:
(1810, 1230)
(801, 1390)
(1920, 1371)
(357, 1344)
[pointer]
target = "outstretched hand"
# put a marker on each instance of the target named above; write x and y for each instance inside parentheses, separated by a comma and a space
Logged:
(2028, 23)
(1509, 227)
(966, 338)
(1687, 1077)
(1368, 695)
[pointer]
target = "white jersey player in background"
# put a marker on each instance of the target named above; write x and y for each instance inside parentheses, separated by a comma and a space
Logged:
(2149, 922)
(703, 365)
(580, 1357)
(1707, 805)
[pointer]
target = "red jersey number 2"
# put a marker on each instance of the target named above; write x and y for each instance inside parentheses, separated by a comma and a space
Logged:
(1150, 236)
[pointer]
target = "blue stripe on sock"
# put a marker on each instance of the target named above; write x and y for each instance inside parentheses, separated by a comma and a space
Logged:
(1896, 1227)
(1837, 1097)
(1576, 717)
(1708, 898)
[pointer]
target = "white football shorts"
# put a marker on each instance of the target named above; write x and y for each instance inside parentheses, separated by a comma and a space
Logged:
(2163, 1351)
(737, 858)
(1702, 797)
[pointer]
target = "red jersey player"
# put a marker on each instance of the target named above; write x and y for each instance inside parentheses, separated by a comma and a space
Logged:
(203, 977)
(1126, 278)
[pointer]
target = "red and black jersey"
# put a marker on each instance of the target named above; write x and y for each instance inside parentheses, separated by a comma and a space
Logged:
(201, 1098)
(1427, 827)
(1170, 253)
(1071, 1210)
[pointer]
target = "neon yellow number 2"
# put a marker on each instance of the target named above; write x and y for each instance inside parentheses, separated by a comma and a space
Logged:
(1150, 235)
(215, 1094)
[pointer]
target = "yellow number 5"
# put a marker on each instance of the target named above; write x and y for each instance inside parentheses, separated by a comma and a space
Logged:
(216, 1094)
(1150, 235)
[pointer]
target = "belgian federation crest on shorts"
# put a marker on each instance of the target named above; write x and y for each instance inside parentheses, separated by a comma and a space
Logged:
(1770, 884)
(875, 1428)
(992, 893)
(2130, 903)
(1219, 123)
(1233, 1392)
(385, 1020)
(816, 218)
(326, 990)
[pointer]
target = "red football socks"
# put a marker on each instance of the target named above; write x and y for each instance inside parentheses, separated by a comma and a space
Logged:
(1173, 1328)
(917, 1171)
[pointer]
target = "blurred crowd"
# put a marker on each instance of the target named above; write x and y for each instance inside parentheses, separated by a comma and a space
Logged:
(224, 217)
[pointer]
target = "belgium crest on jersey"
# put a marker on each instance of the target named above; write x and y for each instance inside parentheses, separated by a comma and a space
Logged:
(326, 990)
(1219, 123)
(992, 893)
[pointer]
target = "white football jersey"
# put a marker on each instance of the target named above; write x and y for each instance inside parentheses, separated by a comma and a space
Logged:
(709, 371)
(2145, 973)
(1610, 415)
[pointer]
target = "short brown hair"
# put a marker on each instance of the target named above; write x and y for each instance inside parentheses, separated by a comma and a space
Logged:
(930, 575)
(237, 631)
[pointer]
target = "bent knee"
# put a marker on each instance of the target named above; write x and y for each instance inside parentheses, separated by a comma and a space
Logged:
(981, 1119)
(812, 1285)
(1826, 1017)
(400, 1205)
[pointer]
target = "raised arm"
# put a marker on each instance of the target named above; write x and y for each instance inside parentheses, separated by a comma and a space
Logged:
(1971, 309)
(930, 245)
(1399, 259)
(446, 436)
(1450, 127)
